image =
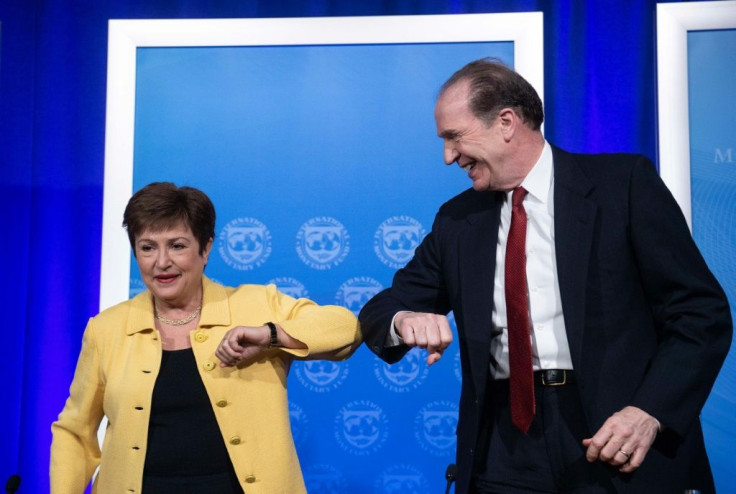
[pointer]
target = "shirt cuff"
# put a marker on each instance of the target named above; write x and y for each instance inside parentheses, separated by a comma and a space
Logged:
(659, 424)
(392, 337)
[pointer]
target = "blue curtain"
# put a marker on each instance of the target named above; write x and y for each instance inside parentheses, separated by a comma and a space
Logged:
(599, 91)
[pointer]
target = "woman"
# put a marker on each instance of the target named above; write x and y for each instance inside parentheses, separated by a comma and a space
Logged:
(190, 374)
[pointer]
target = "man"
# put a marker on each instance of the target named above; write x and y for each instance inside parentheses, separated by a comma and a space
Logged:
(591, 330)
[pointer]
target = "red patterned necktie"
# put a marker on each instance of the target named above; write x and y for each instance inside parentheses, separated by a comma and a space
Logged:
(521, 384)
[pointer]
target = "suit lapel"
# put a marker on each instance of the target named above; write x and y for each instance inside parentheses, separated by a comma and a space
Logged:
(574, 224)
(477, 255)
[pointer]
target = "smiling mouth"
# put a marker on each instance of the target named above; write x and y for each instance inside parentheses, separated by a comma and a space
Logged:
(168, 278)
(468, 166)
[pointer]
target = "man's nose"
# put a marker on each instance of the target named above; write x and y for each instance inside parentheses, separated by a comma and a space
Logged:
(451, 154)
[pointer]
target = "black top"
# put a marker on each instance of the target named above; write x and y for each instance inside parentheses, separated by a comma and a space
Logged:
(183, 436)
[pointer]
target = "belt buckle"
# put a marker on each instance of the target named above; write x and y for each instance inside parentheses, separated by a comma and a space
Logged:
(562, 383)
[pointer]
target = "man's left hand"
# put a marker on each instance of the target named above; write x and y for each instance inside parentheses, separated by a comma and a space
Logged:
(624, 439)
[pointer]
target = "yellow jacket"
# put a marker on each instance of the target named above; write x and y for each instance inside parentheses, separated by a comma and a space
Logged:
(119, 363)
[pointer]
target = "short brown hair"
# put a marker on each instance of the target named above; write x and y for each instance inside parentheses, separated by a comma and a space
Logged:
(162, 205)
(493, 87)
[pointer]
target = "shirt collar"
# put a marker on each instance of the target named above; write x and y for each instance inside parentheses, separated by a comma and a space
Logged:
(538, 181)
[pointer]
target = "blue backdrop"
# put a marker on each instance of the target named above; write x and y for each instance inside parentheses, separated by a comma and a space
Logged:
(325, 169)
(599, 95)
(712, 107)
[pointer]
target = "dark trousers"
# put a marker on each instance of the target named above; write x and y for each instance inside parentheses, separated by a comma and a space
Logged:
(550, 458)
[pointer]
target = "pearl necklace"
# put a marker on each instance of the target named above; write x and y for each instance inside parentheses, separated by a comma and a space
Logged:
(177, 322)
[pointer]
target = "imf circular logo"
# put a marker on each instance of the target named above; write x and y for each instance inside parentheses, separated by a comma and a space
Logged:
(405, 375)
(361, 427)
(290, 286)
(322, 242)
(355, 292)
(395, 240)
(321, 376)
(299, 423)
(434, 428)
(136, 287)
(324, 479)
(245, 243)
(402, 479)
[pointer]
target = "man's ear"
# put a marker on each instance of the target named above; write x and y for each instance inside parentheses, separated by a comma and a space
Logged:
(509, 122)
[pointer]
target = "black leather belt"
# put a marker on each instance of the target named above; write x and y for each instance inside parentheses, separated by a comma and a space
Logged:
(553, 377)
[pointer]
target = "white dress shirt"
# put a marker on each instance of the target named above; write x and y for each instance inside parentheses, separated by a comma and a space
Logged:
(550, 349)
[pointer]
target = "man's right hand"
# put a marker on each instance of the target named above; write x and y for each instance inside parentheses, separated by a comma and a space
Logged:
(429, 331)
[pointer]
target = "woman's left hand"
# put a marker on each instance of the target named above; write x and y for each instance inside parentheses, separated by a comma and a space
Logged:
(242, 343)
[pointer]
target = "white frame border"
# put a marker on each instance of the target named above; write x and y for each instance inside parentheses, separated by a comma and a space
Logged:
(674, 21)
(525, 30)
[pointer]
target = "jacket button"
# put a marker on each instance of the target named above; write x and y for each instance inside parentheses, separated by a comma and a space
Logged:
(235, 440)
(221, 403)
(200, 337)
(209, 366)
(250, 479)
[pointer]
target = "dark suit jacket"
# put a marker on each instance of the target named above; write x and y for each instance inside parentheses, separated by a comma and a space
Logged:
(647, 323)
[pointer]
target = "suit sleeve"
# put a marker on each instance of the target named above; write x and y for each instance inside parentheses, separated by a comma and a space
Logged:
(75, 452)
(688, 305)
(418, 287)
